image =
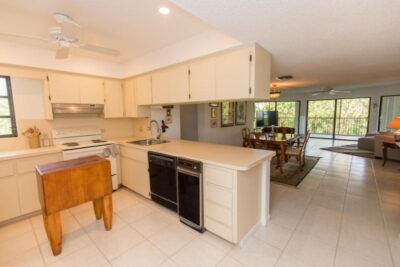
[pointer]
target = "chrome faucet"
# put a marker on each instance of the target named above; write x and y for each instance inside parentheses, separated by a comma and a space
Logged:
(158, 128)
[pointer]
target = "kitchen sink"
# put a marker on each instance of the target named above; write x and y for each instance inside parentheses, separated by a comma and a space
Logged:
(148, 142)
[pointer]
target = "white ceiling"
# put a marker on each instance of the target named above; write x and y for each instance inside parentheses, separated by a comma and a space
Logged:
(134, 27)
(318, 42)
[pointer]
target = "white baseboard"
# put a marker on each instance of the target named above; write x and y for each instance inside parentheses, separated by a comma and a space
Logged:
(246, 238)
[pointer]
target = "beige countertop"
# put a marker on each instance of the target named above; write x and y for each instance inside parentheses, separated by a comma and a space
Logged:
(23, 153)
(232, 157)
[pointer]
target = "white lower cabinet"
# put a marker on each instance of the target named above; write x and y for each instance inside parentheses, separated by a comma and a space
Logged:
(134, 170)
(231, 201)
(9, 202)
(18, 185)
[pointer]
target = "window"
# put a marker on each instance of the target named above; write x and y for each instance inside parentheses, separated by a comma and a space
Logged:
(287, 111)
(390, 108)
(7, 116)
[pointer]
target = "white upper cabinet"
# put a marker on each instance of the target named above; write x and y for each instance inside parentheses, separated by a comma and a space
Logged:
(171, 85)
(114, 99)
(132, 110)
(160, 87)
(143, 90)
(233, 75)
(91, 90)
(178, 84)
(202, 80)
(75, 89)
(64, 88)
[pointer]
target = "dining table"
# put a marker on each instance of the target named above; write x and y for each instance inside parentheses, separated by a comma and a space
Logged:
(276, 141)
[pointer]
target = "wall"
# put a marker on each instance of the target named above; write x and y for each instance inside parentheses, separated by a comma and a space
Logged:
(29, 109)
(189, 122)
(221, 135)
(375, 91)
(174, 128)
(198, 45)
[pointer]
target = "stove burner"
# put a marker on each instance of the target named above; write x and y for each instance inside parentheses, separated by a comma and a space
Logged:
(71, 144)
(98, 141)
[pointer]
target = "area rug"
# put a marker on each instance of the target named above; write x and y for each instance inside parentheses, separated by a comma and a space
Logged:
(351, 150)
(292, 174)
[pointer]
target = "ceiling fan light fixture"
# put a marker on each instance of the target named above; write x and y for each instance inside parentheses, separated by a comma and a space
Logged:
(164, 10)
(275, 92)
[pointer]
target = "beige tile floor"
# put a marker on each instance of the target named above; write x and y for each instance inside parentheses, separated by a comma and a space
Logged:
(345, 213)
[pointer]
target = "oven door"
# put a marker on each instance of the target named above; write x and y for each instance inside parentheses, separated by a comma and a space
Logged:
(103, 152)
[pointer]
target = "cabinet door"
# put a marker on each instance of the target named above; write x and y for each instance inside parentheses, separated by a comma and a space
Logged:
(114, 95)
(141, 179)
(28, 192)
(143, 90)
(9, 202)
(232, 78)
(91, 90)
(129, 96)
(64, 88)
(178, 84)
(202, 80)
(160, 87)
(127, 172)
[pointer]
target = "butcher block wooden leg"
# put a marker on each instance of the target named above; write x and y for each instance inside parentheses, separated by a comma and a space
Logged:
(98, 208)
(107, 212)
(52, 224)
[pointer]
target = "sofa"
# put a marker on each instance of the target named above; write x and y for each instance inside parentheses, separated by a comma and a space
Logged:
(374, 141)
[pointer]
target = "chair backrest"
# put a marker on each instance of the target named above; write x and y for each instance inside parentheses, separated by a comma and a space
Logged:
(245, 132)
(306, 138)
(266, 129)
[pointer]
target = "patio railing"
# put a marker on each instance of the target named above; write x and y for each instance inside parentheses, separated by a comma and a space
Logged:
(344, 126)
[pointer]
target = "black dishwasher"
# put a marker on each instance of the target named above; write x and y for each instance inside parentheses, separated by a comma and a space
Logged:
(190, 193)
(162, 170)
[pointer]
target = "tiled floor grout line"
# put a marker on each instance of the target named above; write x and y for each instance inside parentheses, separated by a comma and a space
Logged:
(342, 213)
(37, 241)
(298, 222)
(381, 211)
(91, 240)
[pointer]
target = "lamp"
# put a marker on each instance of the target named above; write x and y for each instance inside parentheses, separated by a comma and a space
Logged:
(275, 92)
(395, 124)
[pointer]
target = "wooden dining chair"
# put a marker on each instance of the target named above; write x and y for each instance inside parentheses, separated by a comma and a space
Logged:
(246, 137)
(298, 151)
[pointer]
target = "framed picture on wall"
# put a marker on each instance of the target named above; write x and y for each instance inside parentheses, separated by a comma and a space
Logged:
(213, 113)
(227, 114)
(240, 113)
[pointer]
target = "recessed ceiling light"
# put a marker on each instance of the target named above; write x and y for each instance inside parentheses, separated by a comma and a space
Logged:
(164, 10)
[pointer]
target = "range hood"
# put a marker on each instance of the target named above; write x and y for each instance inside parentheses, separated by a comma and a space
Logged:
(66, 110)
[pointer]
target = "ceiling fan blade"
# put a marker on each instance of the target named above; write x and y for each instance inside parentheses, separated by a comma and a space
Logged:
(23, 36)
(62, 53)
(99, 49)
(317, 93)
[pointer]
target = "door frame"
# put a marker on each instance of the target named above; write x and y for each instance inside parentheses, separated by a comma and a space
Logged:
(335, 115)
(380, 110)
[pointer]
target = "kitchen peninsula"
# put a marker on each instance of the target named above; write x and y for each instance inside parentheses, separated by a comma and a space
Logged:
(236, 182)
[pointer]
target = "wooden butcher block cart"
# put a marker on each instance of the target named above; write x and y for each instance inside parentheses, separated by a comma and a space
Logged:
(65, 184)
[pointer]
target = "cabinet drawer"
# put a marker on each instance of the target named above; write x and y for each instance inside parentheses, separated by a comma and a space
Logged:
(218, 176)
(218, 195)
(218, 213)
(218, 228)
(7, 168)
(135, 154)
(29, 164)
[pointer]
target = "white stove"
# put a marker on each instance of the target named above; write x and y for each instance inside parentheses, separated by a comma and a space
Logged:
(83, 142)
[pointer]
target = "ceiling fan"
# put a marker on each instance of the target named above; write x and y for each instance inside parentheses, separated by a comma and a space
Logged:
(329, 90)
(65, 35)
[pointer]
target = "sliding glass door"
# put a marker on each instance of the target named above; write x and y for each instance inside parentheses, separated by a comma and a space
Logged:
(321, 118)
(390, 108)
(338, 118)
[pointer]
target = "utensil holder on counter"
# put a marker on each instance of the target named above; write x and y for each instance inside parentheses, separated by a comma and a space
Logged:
(34, 141)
